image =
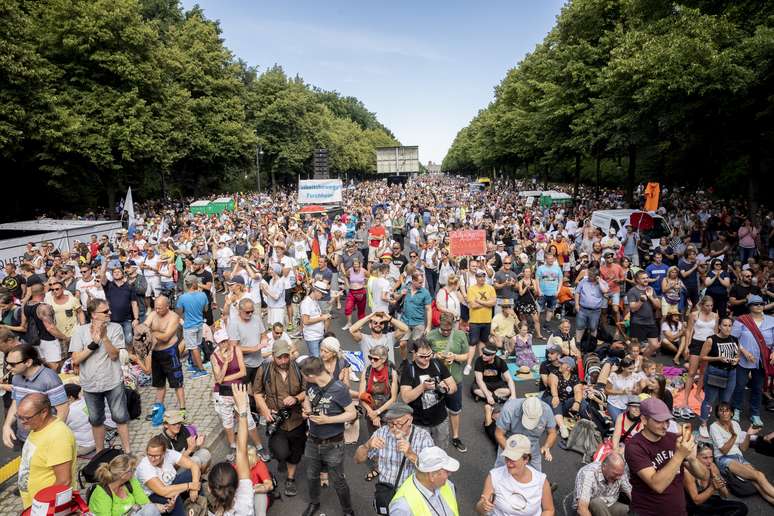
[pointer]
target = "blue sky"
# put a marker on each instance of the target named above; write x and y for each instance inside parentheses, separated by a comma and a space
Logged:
(424, 67)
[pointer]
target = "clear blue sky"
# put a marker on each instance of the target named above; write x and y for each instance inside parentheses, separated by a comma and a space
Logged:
(424, 67)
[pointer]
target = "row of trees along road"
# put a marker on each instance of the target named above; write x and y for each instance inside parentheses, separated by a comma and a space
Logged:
(621, 91)
(98, 95)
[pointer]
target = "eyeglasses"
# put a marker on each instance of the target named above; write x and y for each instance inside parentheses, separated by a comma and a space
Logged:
(24, 419)
(373, 358)
(429, 355)
(56, 289)
(13, 364)
(412, 256)
(103, 311)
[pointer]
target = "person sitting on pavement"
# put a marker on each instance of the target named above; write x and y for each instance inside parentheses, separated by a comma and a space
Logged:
(566, 393)
(160, 479)
(532, 418)
(429, 488)
(628, 423)
(598, 486)
(710, 498)
(179, 438)
(516, 488)
(493, 380)
(118, 491)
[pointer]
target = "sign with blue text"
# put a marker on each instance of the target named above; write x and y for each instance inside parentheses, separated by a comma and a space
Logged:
(314, 191)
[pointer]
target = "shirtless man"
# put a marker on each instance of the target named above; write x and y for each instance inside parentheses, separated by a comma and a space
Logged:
(165, 358)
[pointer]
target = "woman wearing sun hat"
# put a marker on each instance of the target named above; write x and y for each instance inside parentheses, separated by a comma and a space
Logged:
(516, 489)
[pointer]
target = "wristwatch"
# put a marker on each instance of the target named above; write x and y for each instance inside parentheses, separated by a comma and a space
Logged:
(242, 414)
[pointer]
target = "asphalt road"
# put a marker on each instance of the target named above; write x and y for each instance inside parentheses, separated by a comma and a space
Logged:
(476, 462)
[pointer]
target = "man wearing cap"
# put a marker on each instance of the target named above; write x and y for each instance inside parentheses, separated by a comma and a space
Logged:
(598, 485)
(428, 490)
(279, 385)
(397, 441)
(656, 459)
(533, 418)
(493, 381)
(751, 371)
(192, 306)
(481, 299)
(313, 318)
(121, 298)
(178, 438)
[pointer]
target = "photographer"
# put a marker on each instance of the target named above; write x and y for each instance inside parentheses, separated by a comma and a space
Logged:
(279, 390)
(328, 405)
(94, 349)
(424, 384)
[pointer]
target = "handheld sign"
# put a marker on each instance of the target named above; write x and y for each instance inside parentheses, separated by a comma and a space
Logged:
(467, 242)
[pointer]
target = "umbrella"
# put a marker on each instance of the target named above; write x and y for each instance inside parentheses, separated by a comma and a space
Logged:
(641, 221)
(313, 208)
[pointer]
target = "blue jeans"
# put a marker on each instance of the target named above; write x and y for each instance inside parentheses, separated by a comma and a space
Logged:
(314, 347)
(711, 393)
(756, 377)
(116, 400)
(183, 477)
(128, 332)
(614, 412)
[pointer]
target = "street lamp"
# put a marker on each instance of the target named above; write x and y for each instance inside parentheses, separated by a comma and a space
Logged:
(258, 154)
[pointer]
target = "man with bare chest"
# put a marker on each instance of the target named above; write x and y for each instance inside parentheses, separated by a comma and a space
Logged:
(165, 357)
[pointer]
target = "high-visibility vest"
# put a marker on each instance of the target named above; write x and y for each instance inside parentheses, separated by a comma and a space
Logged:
(416, 501)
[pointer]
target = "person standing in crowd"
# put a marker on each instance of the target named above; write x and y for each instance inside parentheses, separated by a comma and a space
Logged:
(205, 284)
(451, 346)
(279, 391)
(529, 293)
(516, 488)
(49, 454)
(378, 322)
(192, 306)
(424, 383)
(67, 307)
(164, 358)
(532, 418)
(612, 273)
(429, 488)
(39, 327)
(549, 276)
(313, 318)
(702, 324)
(720, 354)
(245, 330)
(740, 293)
(656, 459)
(94, 349)
(121, 298)
(481, 299)
(643, 302)
(327, 405)
(355, 285)
(30, 376)
(755, 332)
(416, 307)
(598, 486)
(505, 282)
(590, 299)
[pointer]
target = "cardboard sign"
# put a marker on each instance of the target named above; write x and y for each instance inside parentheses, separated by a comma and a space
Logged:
(467, 242)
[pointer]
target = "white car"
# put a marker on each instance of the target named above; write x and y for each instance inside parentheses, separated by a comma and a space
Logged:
(617, 219)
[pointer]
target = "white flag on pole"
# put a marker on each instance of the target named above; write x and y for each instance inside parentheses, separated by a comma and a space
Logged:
(129, 209)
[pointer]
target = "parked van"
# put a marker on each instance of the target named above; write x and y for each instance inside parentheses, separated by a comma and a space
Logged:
(617, 219)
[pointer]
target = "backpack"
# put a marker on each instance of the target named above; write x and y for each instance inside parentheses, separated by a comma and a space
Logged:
(133, 403)
(584, 439)
(739, 486)
(87, 474)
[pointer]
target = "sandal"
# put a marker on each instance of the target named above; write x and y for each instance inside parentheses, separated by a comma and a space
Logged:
(371, 475)
(324, 482)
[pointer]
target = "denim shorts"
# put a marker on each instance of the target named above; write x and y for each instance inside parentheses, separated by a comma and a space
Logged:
(453, 402)
(587, 318)
(115, 399)
(724, 460)
(547, 302)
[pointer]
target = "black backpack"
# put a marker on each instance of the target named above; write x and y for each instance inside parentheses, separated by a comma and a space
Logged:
(133, 403)
(87, 474)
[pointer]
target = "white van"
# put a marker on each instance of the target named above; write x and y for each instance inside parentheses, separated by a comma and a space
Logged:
(617, 219)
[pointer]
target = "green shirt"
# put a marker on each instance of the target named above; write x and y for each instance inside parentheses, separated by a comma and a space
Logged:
(102, 504)
(457, 343)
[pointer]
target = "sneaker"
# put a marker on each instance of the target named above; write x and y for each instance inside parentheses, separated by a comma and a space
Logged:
(737, 415)
(564, 432)
(467, 370)
(346, 327)
(231, 457)
(703, 432)
(198, 373)
(756, 421)
(688, 413)
(191, 368)
(290, 487)
(265, 455)
(457, 443)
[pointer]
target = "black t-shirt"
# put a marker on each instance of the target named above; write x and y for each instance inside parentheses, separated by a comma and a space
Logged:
(400, 262)
(30, 311)
(726, 347)
(429, 408)
(492, 372)
(14, 284)
(205, 277)
(546, 367)
(120, 299)
(180, 442)
(739, 291)
(335, 398)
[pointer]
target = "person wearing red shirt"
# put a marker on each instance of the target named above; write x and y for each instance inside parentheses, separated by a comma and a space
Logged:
(613, 274)
(376, 235)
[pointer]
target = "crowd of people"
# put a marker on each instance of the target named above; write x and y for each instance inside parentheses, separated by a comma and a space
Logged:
(246, 300)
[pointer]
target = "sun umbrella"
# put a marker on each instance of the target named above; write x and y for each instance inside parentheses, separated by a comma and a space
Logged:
(313, 208)
(641, 220)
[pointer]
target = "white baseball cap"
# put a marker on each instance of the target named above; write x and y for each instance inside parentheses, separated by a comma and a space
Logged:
(220, 336)
(531, 411)
(434, 459)
(517, 446)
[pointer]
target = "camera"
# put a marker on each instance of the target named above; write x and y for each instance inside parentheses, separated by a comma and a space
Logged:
(280, 417)
(440, 388)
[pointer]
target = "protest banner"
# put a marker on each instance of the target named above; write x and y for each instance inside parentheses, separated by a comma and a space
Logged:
(467, 242)
(314, 191)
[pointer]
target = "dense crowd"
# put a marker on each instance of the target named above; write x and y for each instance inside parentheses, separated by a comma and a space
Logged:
(246, 300)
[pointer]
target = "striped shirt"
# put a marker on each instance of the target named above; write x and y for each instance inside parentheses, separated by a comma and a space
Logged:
(389, 458)
(591, 483)
(45, 381)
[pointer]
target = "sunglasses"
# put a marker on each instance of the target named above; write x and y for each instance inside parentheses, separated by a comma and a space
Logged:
(248, 312)
(373, 358)
(430, 355)
(103, 311)
(13, 364)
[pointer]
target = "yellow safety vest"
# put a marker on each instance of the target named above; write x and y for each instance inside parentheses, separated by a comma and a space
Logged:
(416, 501)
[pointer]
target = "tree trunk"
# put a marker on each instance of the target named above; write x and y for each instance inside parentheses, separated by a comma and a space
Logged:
(630, 175)
(577, 177)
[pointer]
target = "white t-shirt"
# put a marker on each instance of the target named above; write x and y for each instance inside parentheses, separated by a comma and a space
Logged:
(378, 287)
(666, 327)
(151, 263)
(277, 289)
(166, 472)
(314, 331)
(93, 287)
(720, 436)
(289, 263)
(618, 383)
(243, 500)
(223, 256)
(78, 421)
